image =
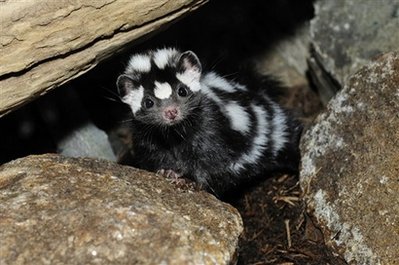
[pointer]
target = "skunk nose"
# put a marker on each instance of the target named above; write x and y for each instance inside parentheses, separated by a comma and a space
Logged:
(170, 113)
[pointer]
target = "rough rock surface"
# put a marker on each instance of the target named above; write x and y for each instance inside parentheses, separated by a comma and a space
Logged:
(346, 34)
(87, 141)
(57, 210)
(350, 166)
(286, 60)
(47, 43)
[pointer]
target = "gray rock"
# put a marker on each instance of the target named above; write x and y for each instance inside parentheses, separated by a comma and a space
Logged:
(57, 210)
(86, 141)
(286, 59)
(346, 34)
(71, 128)
(350, 166)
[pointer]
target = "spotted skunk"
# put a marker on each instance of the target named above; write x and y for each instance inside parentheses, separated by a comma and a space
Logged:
(201, 126)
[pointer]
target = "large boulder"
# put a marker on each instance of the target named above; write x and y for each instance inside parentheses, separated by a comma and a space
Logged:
(57, 210)
(345, 35)
(350, 166)
(47, 43)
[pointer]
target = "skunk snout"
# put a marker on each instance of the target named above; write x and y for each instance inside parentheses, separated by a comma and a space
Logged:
(171, 113)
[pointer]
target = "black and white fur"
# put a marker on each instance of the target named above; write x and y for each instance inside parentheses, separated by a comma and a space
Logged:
(202, 126)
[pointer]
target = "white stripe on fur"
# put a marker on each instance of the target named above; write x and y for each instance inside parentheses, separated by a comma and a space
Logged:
(211, 79)
(259, 142)
(191, 79)
(238, 117)
(279, 134)
(134, 98)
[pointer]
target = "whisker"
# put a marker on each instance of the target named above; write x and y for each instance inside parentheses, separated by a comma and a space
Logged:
(231, 74)
(177, 131)
(217, 61)
(125, 121)
(110, 91)
(114, 100)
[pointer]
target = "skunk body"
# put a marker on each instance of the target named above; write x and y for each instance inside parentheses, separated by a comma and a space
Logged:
(217, 132)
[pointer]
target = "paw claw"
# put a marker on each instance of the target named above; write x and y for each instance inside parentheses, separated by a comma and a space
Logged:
(176, 178)
(169, 174)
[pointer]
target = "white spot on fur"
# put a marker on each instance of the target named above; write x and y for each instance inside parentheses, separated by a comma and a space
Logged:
(191, 79)
(213, 80)
(162, 90)
(163, 57)
(259, 143)
(140, 63)
(279, 133)
(134, 98)
(238, 117)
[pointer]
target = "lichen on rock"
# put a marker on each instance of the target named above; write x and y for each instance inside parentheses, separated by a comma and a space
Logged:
(350, 165)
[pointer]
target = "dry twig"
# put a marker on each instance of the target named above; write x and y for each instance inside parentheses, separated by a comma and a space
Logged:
(287, 228)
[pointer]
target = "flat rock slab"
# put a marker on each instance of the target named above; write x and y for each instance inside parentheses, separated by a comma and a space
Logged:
(350, 166)
(46, 43)
(57, 210)
(346, 34)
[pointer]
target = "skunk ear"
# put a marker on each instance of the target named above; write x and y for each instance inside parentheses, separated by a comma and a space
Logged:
(125, 84)
(188, 61)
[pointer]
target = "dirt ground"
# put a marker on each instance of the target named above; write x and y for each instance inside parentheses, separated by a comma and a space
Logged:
(277, 229)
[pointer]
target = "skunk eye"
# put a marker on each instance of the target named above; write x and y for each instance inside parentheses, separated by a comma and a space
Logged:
(182, 92)
(148, 103)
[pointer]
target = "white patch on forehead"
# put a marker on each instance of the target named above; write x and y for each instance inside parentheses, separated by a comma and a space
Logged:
(259, 142)
(213, 80)
(190, 79)
(163, 57)
(134, 98)
(238, 117)
(140, 63)
(279, 133)
(162, 90)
